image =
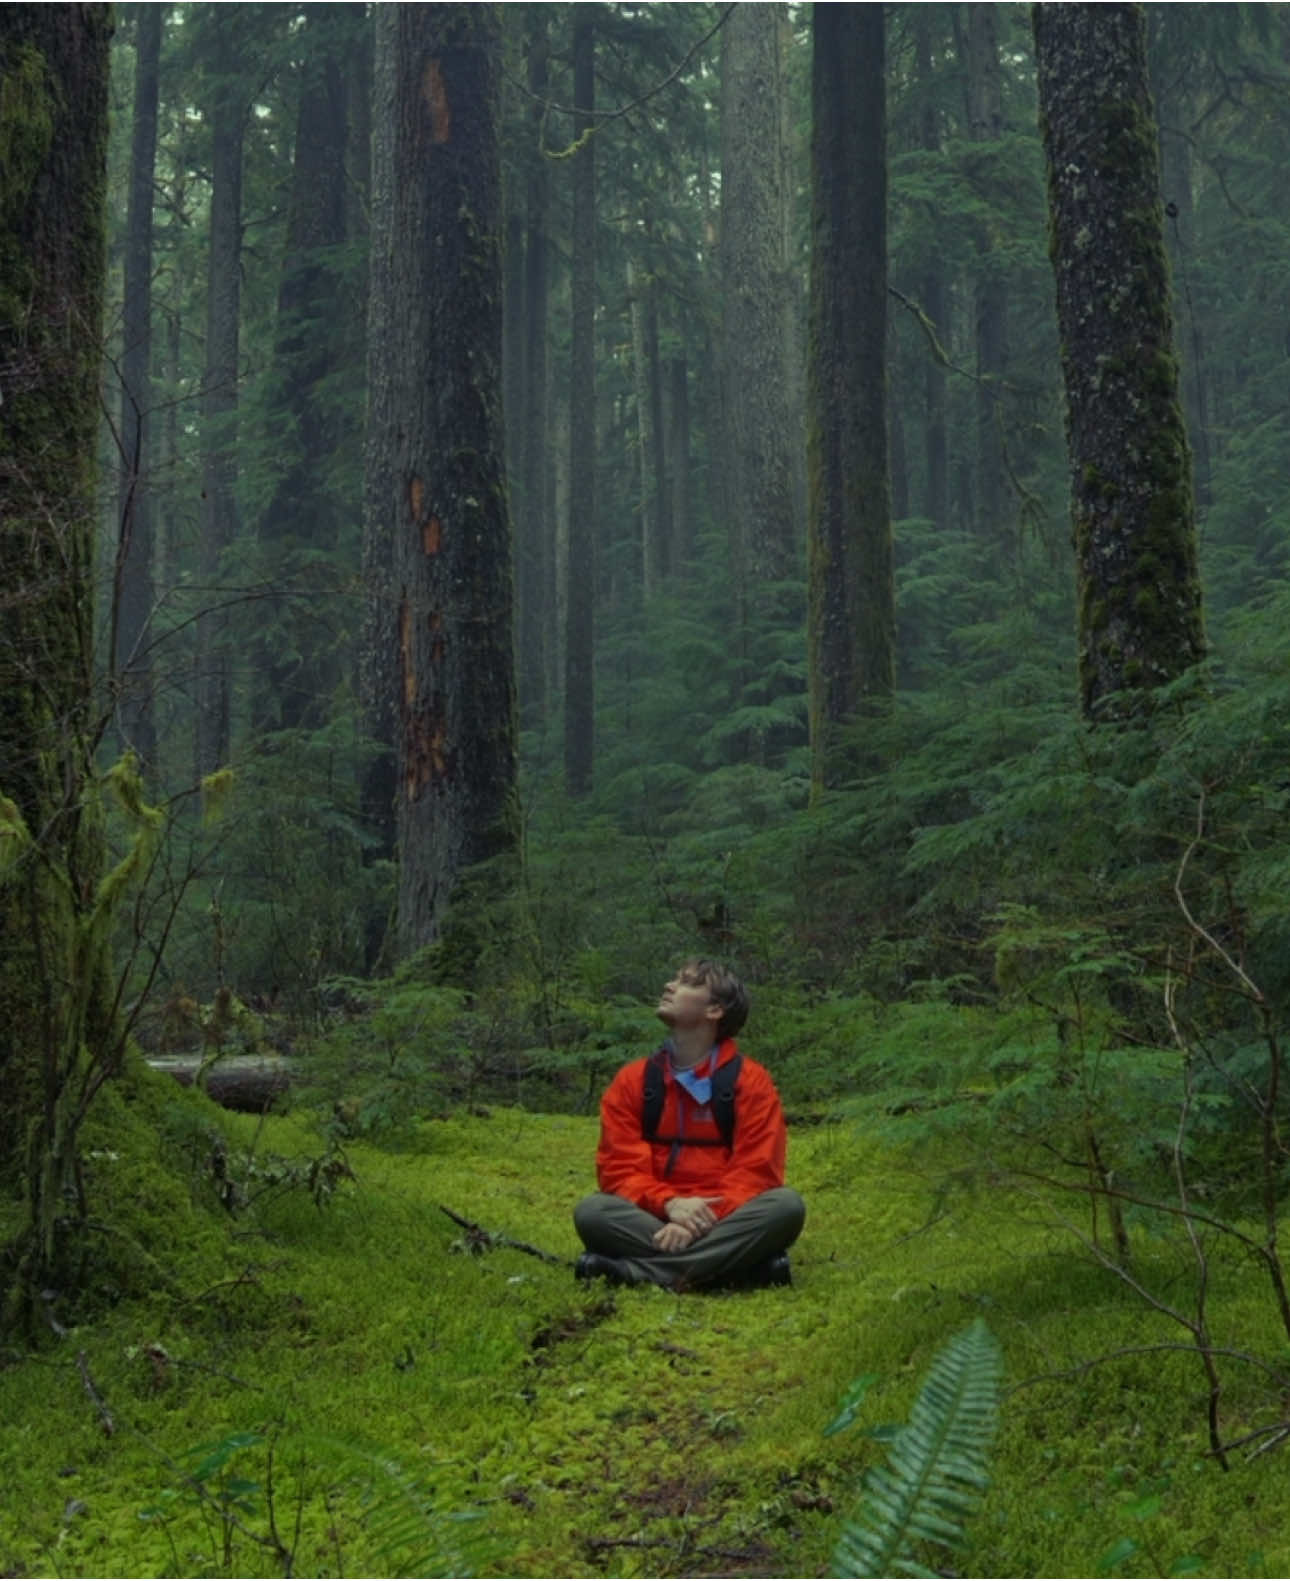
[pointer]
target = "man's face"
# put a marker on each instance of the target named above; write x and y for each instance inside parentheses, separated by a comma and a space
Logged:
(686, 1002)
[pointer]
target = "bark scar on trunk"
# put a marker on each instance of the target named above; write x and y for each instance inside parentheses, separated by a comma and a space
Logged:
(430, 526)
(424, 753)
(405, 652)
(436, 98)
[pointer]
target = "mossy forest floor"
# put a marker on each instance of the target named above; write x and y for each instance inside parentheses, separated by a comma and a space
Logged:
(347, 1390)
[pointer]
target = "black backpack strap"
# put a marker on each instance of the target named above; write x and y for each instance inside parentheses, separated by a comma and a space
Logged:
(652, 1103)
(723, 1098)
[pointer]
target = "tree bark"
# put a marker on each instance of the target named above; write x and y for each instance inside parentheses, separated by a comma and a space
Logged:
(579, 674)
(1131, 501)
(990, 290)
(935, 298)
(757, 422)
(1176, 186)
(297, 665)
(678, 449)
(851, 623)
(134, 583)
(445, 493)
(56, 1015)
(533, 527)
(379, 647)
(662, 540)
(219, 414)
(639, 290)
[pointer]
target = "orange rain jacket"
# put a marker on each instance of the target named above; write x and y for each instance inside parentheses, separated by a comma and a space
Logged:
(629, 1166)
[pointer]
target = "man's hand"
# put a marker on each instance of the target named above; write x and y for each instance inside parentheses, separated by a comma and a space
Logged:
(673, 1238)
(692, 1213)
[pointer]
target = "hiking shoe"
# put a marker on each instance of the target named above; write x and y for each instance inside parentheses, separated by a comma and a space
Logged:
(593, 1265)
(775, 1270)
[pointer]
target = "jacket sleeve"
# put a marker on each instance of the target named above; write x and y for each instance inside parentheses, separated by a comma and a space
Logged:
(761, 1140)
(624, 1159)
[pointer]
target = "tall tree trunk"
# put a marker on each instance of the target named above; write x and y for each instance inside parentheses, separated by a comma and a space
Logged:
(133, 594)
(579, 647)
(757, 422)
(851, 623)
(1131, 501)
(639, 289)
(1176, 185)
(985, 123)
(296, 665)
(219, 416)
(678, 449)
(56, 1018)
(898, 465)
(442, 471)
(533, 528)
(513, 350)
(657, 440)
(935, 297)
(793, 161)
(378, 659)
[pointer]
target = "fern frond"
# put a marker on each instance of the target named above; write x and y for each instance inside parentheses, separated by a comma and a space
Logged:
(936, 1466)
(399, 1511)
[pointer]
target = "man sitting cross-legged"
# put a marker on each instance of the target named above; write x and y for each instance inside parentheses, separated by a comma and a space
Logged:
(691, 1155)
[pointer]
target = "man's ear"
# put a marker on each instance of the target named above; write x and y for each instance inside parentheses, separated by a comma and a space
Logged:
(714, 1013)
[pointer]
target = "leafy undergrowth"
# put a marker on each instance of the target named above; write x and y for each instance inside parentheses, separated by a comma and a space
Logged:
(349, 1389)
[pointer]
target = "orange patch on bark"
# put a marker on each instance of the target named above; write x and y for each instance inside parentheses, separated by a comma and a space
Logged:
(405, 652)
(425, 758)
(436, 99)
(431, 535)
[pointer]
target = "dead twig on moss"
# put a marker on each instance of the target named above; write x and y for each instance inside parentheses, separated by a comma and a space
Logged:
(479, 1240)
(99, 1403)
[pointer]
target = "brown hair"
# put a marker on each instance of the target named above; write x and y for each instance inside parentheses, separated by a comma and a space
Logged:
(725, 988)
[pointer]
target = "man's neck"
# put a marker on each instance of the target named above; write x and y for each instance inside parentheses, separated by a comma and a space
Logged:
(690, 1046)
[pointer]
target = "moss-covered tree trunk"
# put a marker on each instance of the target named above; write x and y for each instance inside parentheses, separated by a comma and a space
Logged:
(54, 1001)
(851, 625)
(579, 648)
(134, 589)
(442, 473)
(1131, 499)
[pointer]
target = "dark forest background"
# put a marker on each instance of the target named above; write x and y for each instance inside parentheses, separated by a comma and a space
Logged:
(437, 808)
(662, 665)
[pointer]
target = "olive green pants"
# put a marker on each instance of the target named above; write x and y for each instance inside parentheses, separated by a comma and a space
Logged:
(758, 1230)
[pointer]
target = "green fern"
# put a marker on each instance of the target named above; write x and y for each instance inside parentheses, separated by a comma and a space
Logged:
(936, 1467)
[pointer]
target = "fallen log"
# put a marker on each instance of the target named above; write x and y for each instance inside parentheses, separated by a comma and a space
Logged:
(249, 1083)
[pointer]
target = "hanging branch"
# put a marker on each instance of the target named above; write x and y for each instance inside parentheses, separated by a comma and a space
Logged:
(604, 117)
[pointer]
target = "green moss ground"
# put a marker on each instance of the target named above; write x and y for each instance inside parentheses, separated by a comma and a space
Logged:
(591, 1432)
